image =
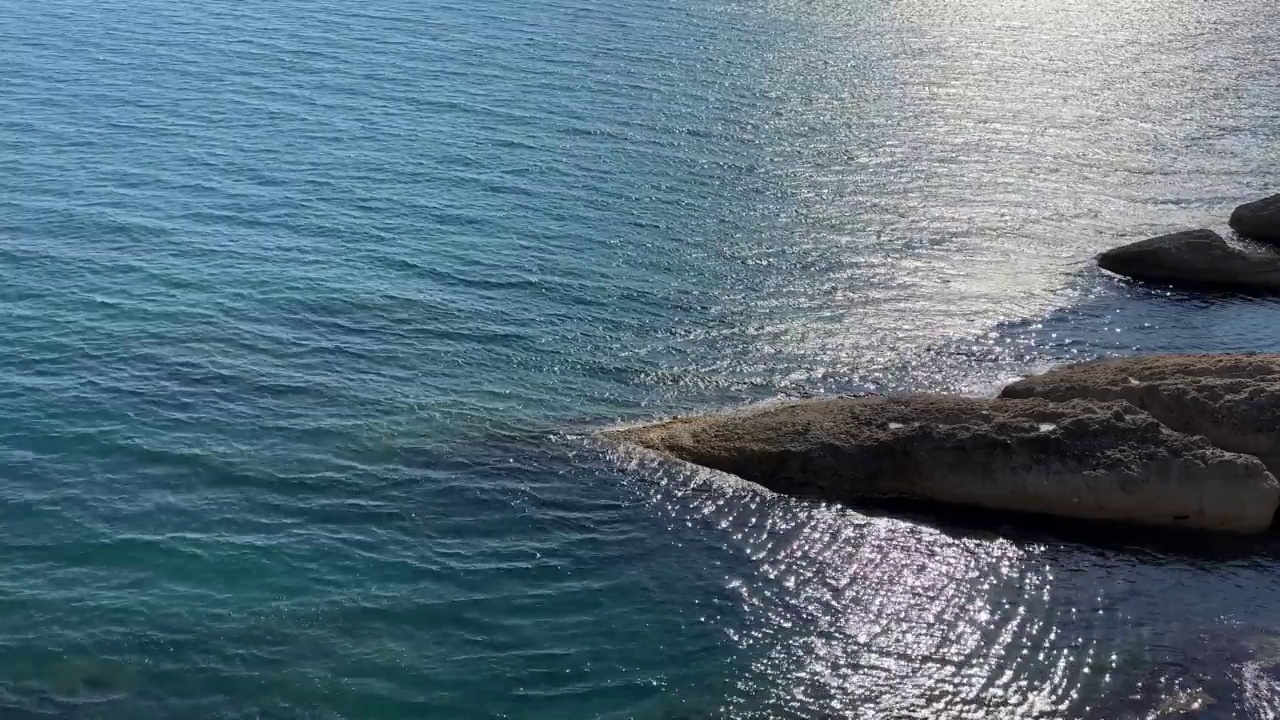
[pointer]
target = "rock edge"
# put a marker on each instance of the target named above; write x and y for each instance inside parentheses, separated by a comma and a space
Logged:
(1083, 459)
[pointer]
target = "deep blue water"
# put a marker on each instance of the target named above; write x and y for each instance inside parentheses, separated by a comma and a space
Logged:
(311, 308)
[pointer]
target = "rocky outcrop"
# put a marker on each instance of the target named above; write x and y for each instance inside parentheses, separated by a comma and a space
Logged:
(1233, 400)
(1078, 459)
(1197, 258)
(1258, 220)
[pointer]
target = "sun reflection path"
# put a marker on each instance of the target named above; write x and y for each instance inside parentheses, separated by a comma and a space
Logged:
(880, 617)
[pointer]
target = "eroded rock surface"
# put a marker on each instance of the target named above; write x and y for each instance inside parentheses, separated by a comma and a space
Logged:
(1195, 258)
(1231, 399)
(1079, 459)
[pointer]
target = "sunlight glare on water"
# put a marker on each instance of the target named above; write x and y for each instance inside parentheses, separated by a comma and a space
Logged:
(311, 309)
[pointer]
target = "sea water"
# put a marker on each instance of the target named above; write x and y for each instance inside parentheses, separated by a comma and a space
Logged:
(311, 308)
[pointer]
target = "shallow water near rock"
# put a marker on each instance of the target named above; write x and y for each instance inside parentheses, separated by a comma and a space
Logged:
(312, 308)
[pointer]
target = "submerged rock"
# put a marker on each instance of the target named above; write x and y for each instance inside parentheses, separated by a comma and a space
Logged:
(1080, 459)
(1233, 400)
(1258, 220)
(1194, 257)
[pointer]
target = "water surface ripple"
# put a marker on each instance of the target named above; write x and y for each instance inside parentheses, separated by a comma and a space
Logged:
(311, 308)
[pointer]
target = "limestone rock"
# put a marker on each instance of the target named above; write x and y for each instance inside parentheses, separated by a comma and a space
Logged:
(1258, 220)
(1194, 257)
(1231, 399)
(1080, 459)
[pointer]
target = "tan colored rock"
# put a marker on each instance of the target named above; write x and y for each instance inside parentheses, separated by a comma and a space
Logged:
(1231, 399)
(1080, 459)
(1194, 258)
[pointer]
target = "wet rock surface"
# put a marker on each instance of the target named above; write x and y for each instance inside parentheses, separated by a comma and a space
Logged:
(1258, 220)
(1195, 258)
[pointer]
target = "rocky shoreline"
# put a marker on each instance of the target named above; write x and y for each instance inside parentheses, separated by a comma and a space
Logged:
(1185, 441)
(1202, 258)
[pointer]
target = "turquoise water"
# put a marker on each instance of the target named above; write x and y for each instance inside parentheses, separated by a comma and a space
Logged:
(312, 307)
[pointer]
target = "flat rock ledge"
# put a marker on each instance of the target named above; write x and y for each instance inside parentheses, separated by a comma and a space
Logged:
(1258, 220)
(1199, 258)
(1231, 399)
(1083, 458)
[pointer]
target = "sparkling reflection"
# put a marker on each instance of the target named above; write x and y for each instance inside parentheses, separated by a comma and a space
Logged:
(931, 179)
(901, 619)
(853, 615)
(930, 169)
